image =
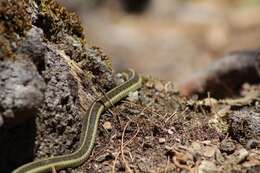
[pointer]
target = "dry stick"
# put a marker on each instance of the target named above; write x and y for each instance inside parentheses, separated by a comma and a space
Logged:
(130, 156)
(123, 146)
(165, 115)
(114, 165)
(167, 164)
(147, 107)
(202, 110)
(170, 117)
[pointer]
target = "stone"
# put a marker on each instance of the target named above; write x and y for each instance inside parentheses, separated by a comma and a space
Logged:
(159, 86)
(133, 96)
(107, 125)
(162, 140)
(208, 167)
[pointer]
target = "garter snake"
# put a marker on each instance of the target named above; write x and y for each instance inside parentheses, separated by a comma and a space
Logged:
(88, 131)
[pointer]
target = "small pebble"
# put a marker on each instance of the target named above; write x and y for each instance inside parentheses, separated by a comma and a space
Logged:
(107, 125)
(162, 140)
(242, 154)
(170, 131)
(133, 96)
(159, 86)
(119, 79)
(149, 84)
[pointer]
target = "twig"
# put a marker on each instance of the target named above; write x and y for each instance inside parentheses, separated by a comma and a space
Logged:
(146, 108)
(167, 164)
(123, 145)
(170, 117)
(114, 164)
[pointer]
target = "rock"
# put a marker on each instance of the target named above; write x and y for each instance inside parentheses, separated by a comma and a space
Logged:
(196, 147)
(241, 155)
(133, 96)
(149, 84)
(209, 151)
(158, 86)
(107, 125)
(170, 131)
(144, 99)
(162, 140)
(208, 167)
(228, 146)
(250, 128)
(22, 91)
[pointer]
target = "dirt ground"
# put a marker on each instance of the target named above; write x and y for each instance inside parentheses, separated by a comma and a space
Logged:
(153, 130)
(160, 132)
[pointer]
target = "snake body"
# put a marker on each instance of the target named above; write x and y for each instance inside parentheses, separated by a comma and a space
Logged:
(88, 131)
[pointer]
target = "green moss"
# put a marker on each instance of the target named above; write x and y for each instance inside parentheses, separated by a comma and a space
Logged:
(52, 18)
(55, 20)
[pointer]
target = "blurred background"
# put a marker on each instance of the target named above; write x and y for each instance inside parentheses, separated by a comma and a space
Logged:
(169, 39)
